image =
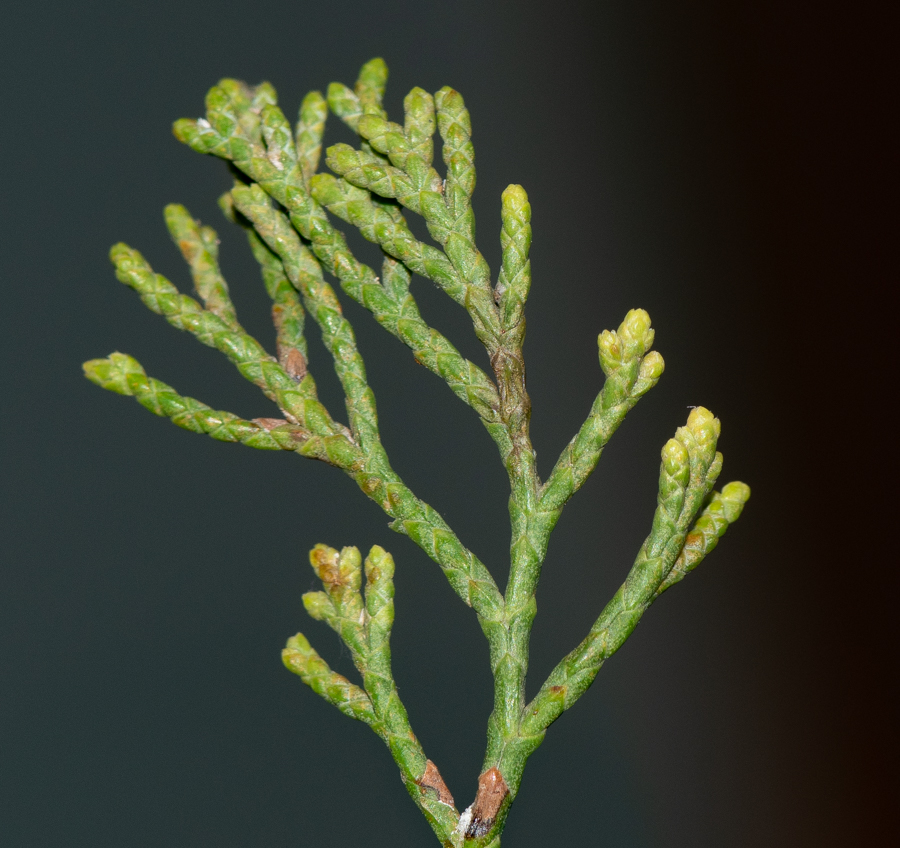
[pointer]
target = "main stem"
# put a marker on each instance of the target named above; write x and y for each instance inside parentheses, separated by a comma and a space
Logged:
(507, 750)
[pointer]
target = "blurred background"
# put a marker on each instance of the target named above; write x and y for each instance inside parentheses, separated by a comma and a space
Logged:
(722, 166)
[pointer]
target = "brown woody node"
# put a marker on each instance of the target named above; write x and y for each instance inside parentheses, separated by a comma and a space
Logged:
(492, 791)
(432, 780)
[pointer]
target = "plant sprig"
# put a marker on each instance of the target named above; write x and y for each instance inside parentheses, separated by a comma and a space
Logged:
(284, 203)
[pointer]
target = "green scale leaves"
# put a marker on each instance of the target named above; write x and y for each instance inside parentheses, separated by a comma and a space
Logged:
(364, 622)
(286, 207)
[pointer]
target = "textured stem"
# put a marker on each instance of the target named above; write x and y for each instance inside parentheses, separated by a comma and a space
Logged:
(124, 375)
(308, 133)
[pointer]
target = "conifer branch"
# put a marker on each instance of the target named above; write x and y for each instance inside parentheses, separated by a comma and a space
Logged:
(283, 203)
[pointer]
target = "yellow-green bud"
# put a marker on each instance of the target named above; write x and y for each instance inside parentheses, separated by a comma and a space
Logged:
(704, 426)
(418, 101)
(734, 496)
(349, 564)
(298, 643)
(379, 564)
(652, 367)
(736, 491)
(113, 372)
(201, 137)
(318, 605)
(675, 458)
(636, 333)
(610, 351)
(516, 200)
(633, 339)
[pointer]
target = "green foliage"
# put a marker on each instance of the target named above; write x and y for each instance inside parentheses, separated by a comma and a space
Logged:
(283, 203)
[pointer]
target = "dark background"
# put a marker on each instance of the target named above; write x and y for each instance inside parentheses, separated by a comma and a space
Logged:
(722, 166)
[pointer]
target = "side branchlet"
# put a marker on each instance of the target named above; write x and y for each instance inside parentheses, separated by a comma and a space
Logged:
(363, 620)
